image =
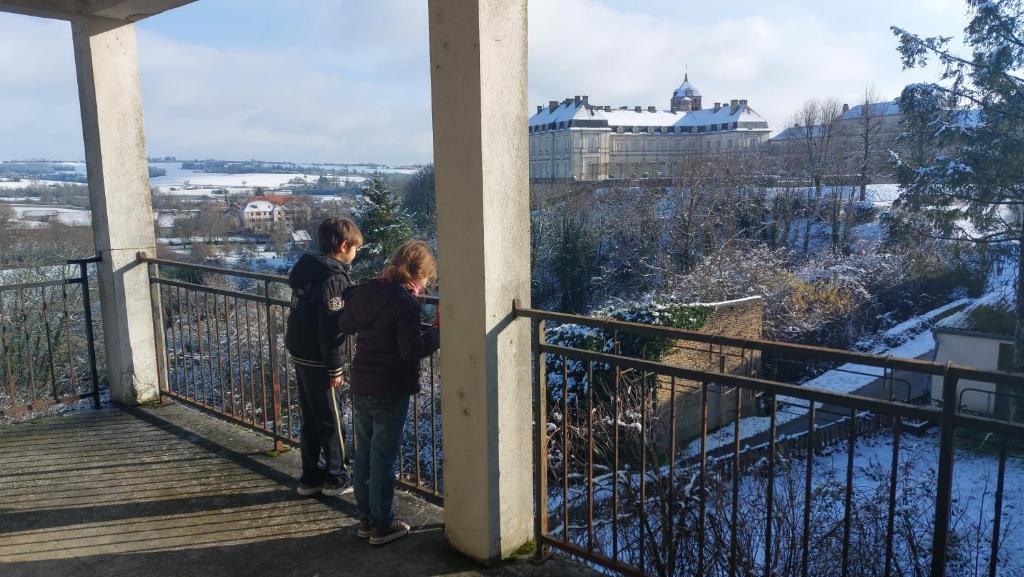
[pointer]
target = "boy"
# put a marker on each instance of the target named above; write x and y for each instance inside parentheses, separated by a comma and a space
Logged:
(317, 347)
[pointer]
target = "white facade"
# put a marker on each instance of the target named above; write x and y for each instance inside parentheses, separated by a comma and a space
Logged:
(262, 215)
(575, 140)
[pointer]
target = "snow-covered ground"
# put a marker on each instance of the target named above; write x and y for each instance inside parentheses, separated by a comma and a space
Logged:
(27, 182)
(913, 338)
(35, 213)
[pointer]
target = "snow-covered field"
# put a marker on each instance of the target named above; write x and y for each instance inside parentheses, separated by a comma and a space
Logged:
(68, 216)
(27, 182)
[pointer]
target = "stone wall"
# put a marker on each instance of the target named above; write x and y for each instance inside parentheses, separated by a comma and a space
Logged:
(743, 318)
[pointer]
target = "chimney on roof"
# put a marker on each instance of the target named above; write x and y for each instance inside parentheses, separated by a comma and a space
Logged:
(552, 104)
(623, 108)
(734, 105)
(846, 108)
(539, 108)
(718, 106)
(638, 108)
(652, 108)
(576, 100)
(585, 99)
(743, 102)
(607, 108)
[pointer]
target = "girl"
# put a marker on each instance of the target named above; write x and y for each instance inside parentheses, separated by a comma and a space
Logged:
(390, 342)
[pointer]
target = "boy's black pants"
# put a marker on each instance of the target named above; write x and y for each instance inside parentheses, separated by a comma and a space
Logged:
(321, 428)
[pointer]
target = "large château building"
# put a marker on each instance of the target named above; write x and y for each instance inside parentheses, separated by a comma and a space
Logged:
(575, 140)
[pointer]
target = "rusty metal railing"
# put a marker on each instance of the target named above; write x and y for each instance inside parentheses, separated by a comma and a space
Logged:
(615, 488)
(47, 337)
(220, 347)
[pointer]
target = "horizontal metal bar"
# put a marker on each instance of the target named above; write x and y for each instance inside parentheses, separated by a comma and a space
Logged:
(797, 391)
(213, 269)
(218, 291)
(426, 299)
(988, 425)
(69, 262)
(592, 556)
(42, 283)
(43, 404)
(790, 349)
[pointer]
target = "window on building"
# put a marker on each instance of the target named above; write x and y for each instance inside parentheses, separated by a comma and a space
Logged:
(591, 143)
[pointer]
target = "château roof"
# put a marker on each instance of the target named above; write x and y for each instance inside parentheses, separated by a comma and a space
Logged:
(600, 117)
(686, 88)
(889, 108)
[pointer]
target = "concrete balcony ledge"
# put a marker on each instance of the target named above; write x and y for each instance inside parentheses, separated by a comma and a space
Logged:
(169, 491)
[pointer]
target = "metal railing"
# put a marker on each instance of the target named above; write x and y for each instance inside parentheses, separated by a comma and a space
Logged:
(47, 337)
(766, 495)
(220, 348)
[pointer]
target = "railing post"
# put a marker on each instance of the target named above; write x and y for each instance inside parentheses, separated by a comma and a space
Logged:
(540, 467)
(83, 267)
(158, 324)
(275, 367)
(944, 490)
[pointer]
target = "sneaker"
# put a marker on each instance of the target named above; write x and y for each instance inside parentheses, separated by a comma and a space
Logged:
(332, 490)
(307, 490)
(396, 530)
(364, 530)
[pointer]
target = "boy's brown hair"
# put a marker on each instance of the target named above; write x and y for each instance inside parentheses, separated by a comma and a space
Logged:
(335, 230)
(411, 261)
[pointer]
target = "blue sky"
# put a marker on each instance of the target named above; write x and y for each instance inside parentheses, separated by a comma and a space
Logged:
(346, 80)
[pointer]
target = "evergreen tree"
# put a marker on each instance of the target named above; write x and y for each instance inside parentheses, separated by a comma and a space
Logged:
(419, 200)
(972, 188)
(384, 223)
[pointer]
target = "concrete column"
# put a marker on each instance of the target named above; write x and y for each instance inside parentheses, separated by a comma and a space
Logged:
(481, 159)
(110, 96)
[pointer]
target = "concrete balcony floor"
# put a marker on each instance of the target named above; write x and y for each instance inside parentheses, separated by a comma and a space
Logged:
(168, 491)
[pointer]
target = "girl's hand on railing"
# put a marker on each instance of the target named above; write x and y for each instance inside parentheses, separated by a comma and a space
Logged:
(337, 382)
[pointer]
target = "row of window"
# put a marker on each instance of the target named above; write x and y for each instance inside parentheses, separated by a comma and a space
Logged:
(656, 129)
(590, 143)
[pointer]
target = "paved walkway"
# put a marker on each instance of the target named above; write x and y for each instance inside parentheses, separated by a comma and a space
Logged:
(168, 491)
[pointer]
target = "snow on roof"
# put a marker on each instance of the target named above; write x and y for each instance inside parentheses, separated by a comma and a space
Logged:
(301, 236)
(260, 206)
(798, 132)
(889, 108)
(686, 89)
(980, 317)
(569, 110)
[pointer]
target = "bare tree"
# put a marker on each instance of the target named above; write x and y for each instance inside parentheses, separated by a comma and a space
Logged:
(867, 129)
(819, 140)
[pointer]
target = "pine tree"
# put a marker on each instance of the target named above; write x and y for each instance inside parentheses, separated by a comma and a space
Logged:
(972, 187)
(384, 224)
(419, 200)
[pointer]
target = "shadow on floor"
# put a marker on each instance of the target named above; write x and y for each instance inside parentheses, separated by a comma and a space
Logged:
(166, 491)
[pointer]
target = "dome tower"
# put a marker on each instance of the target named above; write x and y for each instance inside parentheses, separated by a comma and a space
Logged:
(686, 97)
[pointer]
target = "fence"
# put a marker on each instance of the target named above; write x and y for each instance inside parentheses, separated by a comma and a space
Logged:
(616, 489)
(47, 337)
(220, 347)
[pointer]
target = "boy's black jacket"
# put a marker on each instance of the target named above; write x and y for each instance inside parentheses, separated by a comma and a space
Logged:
(314, 337)
(390, 339)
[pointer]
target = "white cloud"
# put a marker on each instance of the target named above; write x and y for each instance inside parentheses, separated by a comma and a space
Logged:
(776, 59)
(349, 81)
(38, 91)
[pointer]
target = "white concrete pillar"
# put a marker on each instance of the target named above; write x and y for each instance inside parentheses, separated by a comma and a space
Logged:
(481, 159)
(110, 96)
